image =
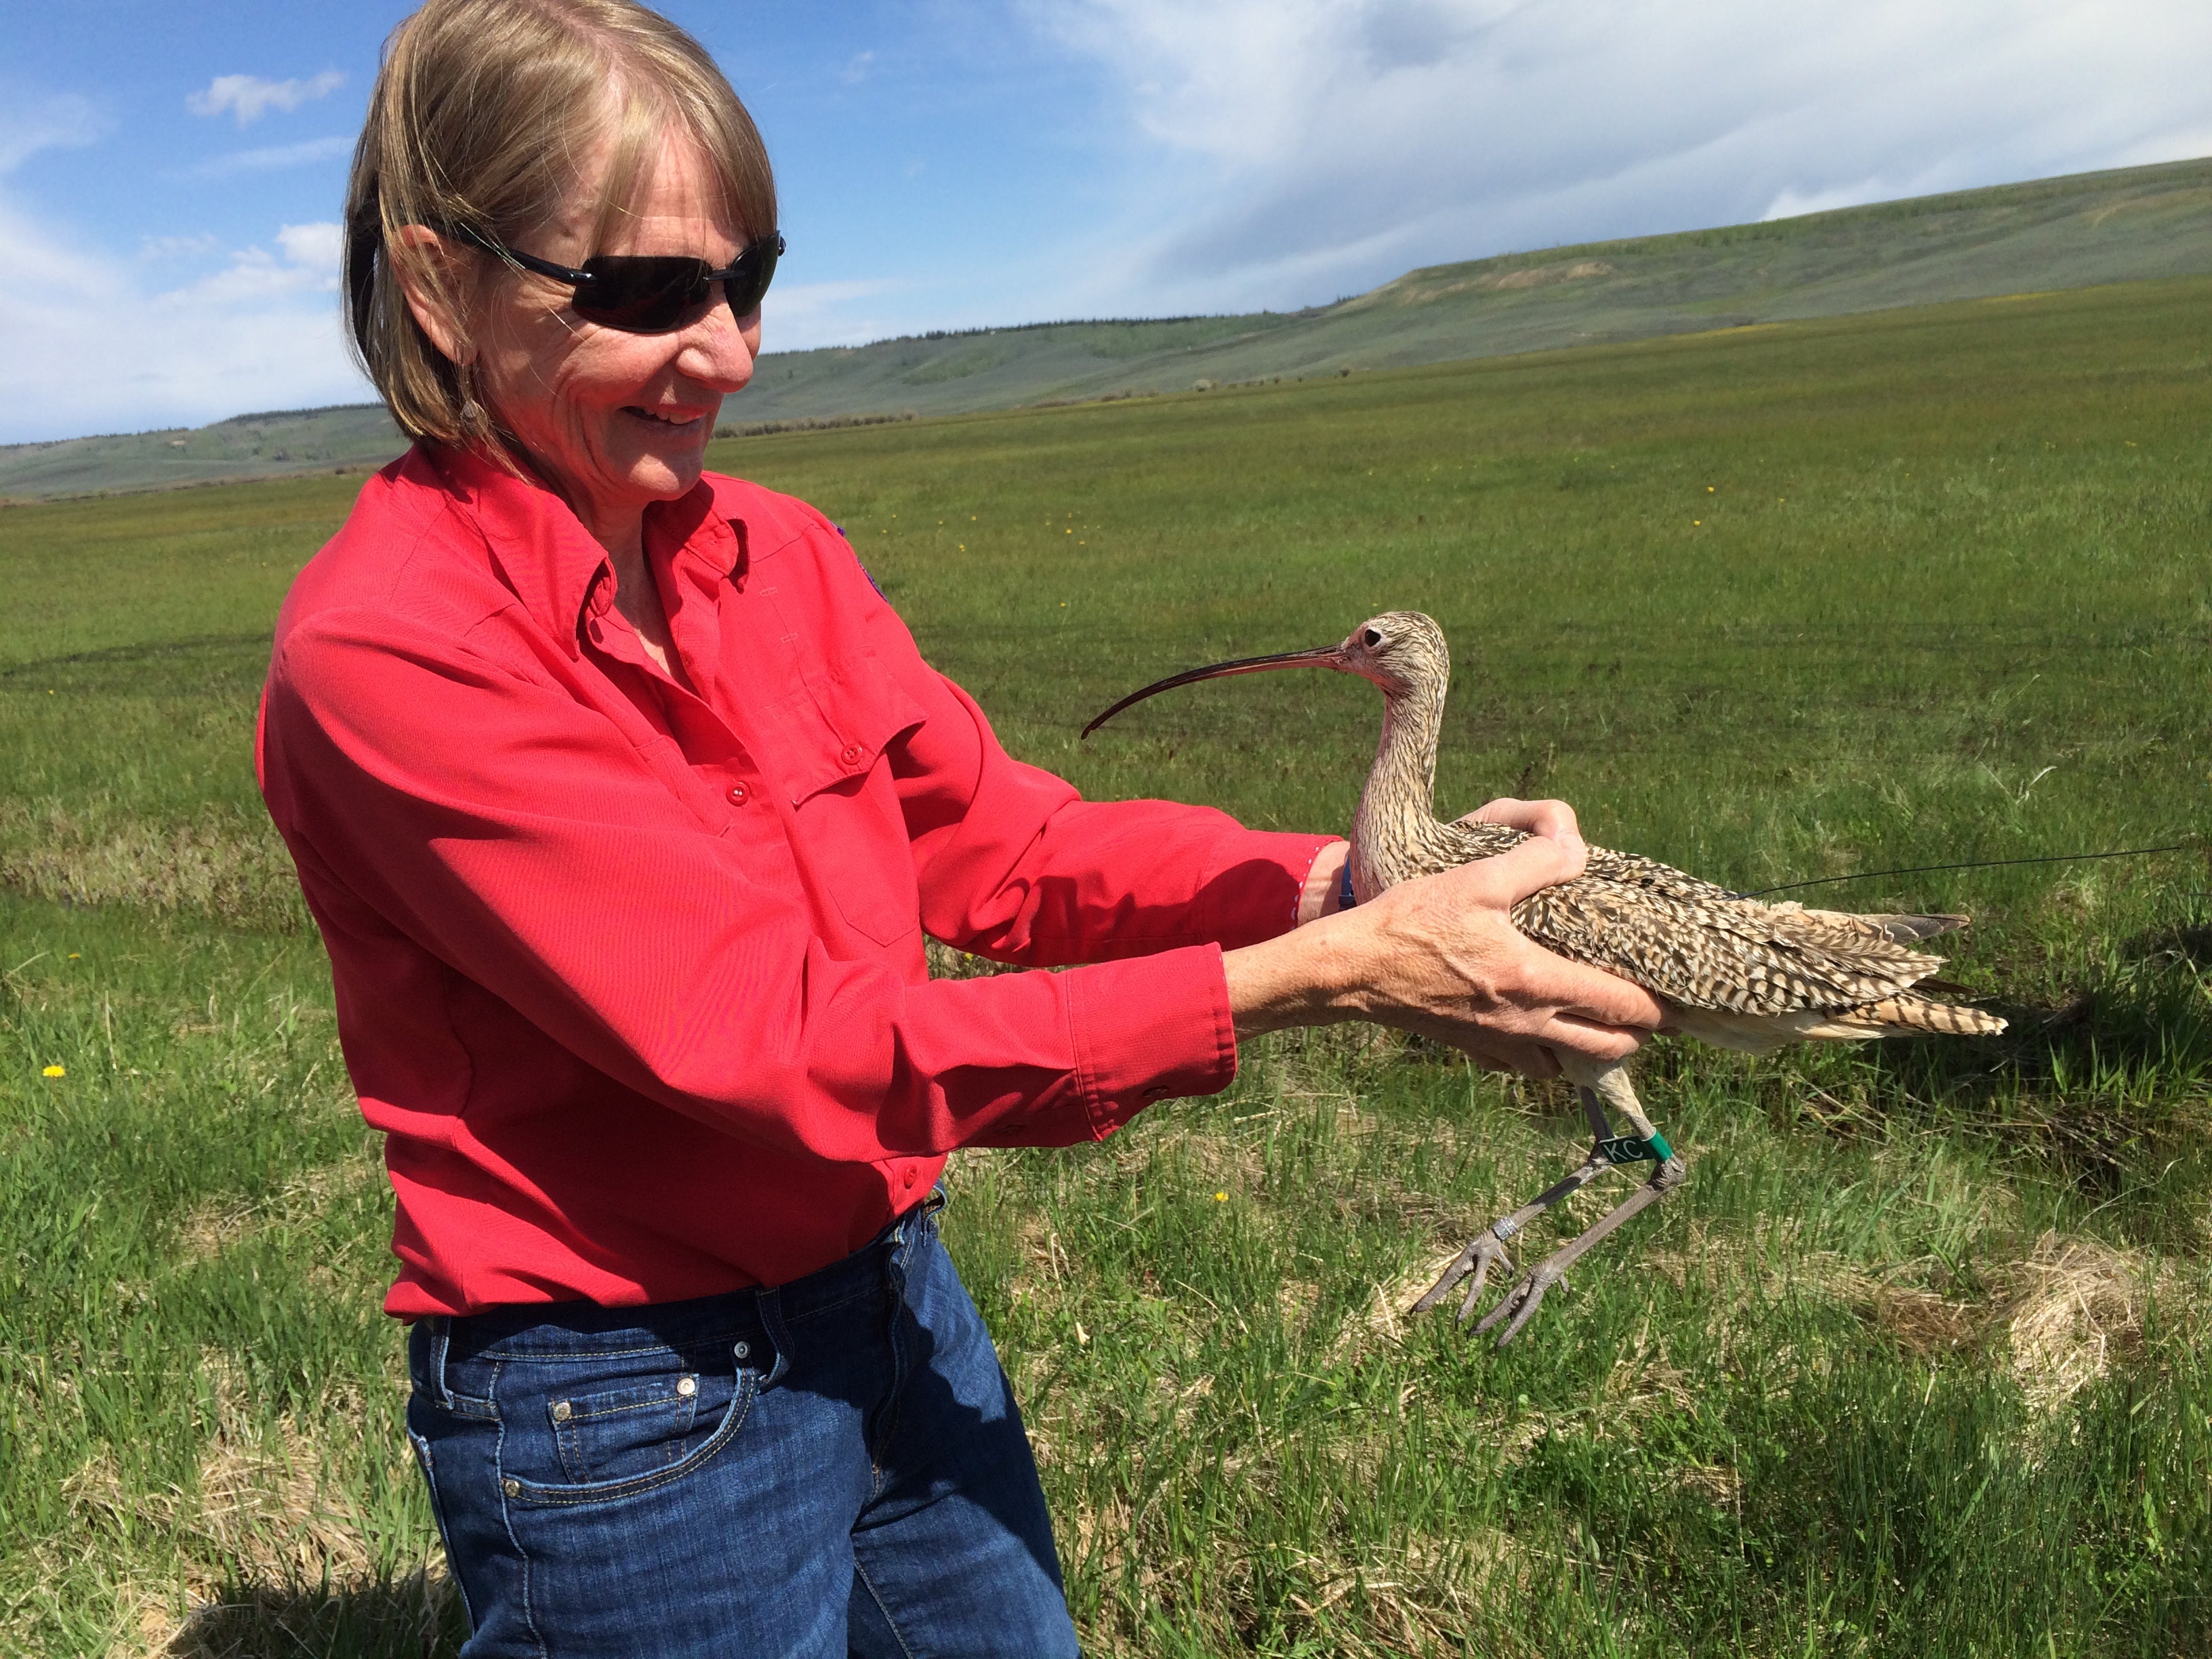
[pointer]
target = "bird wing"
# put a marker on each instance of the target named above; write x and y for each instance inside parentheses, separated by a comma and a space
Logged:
(1699, 946)
(1724, 954)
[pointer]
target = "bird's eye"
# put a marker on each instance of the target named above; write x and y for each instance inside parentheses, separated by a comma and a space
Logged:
(1371, 638)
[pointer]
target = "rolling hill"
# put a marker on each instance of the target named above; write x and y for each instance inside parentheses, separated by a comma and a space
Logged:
(2079, 231)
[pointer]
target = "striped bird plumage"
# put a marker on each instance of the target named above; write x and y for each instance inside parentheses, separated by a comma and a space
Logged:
(1760, 975)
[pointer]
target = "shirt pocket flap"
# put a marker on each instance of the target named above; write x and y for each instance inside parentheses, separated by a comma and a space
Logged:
(855, 712)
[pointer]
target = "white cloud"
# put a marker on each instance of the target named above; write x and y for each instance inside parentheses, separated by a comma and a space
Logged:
(29, 124)
(274, 156)
(195, 247)
(1793, 203)
(316, 247)
(1295, 149)
(249, 97)
(96, 346)
(800, 316)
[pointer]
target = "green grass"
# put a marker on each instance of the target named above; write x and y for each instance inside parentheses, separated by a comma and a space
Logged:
(1913, 1365)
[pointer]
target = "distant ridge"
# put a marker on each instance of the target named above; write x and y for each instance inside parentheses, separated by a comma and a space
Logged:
(2126, 225)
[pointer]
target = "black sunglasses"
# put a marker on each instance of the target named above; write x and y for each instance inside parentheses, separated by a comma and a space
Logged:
(649, 294)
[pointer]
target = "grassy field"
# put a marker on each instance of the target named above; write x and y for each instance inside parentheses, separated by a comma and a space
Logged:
(1915, 1363)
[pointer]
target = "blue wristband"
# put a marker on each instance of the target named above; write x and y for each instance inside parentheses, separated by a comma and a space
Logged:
(1345, 898)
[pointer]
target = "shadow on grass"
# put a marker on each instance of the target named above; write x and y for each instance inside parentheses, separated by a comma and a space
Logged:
(417, 1617)
(2109, 1084)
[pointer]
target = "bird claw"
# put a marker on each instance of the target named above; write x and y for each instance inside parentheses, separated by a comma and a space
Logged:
(1522, 1301)
(1475, 1259)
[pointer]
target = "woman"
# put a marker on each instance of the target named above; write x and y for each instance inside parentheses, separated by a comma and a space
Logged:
(623, 802)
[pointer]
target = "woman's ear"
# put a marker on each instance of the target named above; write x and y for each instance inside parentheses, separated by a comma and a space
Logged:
(435, 304)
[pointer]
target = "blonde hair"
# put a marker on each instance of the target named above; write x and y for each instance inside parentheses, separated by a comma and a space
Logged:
(483, 113)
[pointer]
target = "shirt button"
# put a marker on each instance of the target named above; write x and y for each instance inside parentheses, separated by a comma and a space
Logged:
(851, 755)
(1157, 1091)
(736, 795)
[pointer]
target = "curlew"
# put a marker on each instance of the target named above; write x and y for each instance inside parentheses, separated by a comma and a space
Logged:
(1731, 970)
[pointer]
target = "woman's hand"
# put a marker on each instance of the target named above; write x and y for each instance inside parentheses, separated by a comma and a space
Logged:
(1440, 955)
(1554, 818)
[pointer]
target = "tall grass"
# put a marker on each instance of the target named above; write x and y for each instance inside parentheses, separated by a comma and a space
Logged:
(1913, 1365)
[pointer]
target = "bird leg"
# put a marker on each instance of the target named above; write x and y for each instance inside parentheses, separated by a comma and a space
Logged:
(1594, 1083)
(1489, 1246)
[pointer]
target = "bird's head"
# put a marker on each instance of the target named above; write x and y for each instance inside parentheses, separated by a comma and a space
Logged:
(1401, 650)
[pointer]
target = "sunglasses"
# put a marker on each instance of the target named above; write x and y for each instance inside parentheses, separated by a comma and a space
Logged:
(649, 294)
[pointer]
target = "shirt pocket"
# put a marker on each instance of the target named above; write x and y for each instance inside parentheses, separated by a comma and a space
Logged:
(852, 829)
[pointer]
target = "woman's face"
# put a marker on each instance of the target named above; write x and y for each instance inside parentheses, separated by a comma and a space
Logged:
(617, 421)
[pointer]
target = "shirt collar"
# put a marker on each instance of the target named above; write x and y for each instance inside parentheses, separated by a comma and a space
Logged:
(547, 557)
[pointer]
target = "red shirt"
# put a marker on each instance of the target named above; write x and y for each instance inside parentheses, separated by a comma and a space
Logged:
(632, 978)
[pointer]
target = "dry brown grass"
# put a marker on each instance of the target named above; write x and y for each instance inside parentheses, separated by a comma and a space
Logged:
(2077, 1305)
(222, 864)
(267, 1542)
(208, 1229)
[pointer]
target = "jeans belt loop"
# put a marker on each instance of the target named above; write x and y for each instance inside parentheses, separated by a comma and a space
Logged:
(769, 1303)
(442, 1340)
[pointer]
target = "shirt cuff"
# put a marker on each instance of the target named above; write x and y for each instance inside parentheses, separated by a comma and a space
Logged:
(1149, 1029)
(1256, 895)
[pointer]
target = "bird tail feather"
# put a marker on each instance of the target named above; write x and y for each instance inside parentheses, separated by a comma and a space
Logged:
(1898, 930)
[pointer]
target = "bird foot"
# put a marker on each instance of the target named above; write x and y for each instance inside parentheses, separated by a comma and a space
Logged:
(1521, 1302)
(1476, 1258)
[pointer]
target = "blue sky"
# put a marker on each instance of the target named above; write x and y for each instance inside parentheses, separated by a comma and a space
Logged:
(170, 177)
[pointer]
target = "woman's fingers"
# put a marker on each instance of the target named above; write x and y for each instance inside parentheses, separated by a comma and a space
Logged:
(1590, 994)
(1537, 863)
(1514, 1054)
(1605, 1043)
(1554, 818)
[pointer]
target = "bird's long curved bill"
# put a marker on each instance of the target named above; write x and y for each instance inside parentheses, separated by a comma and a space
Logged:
(1327, 656)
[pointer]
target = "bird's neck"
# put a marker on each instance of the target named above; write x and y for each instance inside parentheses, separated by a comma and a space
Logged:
(1394, 834)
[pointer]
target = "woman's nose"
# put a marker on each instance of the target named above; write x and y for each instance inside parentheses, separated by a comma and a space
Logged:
(719, 349)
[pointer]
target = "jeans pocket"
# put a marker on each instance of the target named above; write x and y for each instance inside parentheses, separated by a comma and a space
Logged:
(620, 1432)
(631, 1444)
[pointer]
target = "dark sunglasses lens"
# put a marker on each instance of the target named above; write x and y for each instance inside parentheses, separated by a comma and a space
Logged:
(652, 296)
(645, 295)
(754, 271)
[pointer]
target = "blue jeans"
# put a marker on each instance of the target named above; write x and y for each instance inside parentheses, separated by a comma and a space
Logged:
(832, 1467)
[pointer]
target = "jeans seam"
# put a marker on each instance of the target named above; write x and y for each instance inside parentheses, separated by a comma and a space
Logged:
(861, 1572)
(427, 1460)
(902, 1310)
(507, 1519)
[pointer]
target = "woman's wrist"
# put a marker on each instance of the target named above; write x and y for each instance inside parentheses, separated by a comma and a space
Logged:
(1315, 975)
(1323, 892)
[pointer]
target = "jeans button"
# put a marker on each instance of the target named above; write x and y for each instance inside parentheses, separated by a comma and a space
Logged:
(511, 1486)
(742, 1349)
(686, 1387)
(562, 1412)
